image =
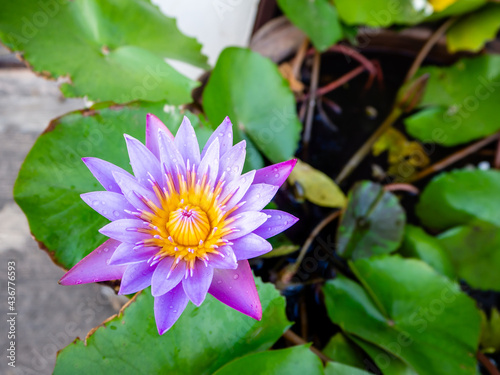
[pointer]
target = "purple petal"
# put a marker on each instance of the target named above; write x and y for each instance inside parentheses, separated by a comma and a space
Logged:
(225, 134)
(165, 278)
(168, 308)
(186, 142)
(170, 156)
(125, 230)
(231, 163)
(137, 277)
(109, 204)
(133, 191)
(153, 127)
(246, 222)
(236, 288)
(237, 188)
(276, 223)
(129, 253)
(94, 267)
(103, 172)
(275, 174)
(196, 286)
(257, 197)
(250, 246)
(144, 162)
(210, 163)
(225, 260)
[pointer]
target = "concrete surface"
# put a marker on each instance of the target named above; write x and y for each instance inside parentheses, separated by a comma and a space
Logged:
(50, 316)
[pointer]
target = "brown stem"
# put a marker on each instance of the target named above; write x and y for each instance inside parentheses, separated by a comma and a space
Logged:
(297, 340)
(299, 59)
(453, 158)
(311, 103)
(422, 54)
(327, 220)
(358, 157)
(496, 163)
(487, 364)
(340, 81)
(402, 187)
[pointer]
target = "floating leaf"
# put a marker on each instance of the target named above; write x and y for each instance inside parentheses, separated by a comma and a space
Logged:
(53, 176)
(318, 19)
(340, 349)
(297, 360)
(333, 368)
(318, 187)
(250, 90)
(203, 339)
(460, 197)
(404, 157)
(471, 32)
(474, 253)
(373, 222)
(490, 331)
(386, 362)
(110, 50)
(406, 308)
(460, 103)
(420, 245)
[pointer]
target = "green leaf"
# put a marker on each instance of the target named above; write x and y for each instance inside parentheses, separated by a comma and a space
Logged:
(406, 308)
(381, 12)
(297, 360)
(340, 349)
(474, 253)
(459, 7)
(490, 331)
(318, 187)
(201, 341)
(420, 245)
(333, 368)
(53, 176)
(110, 50)
(317, 18)
(386, 362)
(460, 103)
(373, 222)
(460, 197)
(471, 32)
(250, 90)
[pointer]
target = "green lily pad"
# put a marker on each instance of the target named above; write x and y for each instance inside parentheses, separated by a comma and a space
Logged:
(460, 102)
(340, 349)
(318, 19)
(297, 360)
(474, 253)
(420, 245)
(373, 222)
(406, 308)
(318, 187)
(460, 197)
(109, 50)
(53, 176)
(471, 32)
(386, 362)
(333, 368)
(201, 341)
(250, 90)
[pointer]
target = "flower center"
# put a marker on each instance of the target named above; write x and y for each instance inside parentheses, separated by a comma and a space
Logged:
(188, 225)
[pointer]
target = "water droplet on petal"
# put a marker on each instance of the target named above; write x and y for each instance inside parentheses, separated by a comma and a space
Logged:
(174, 311)
(236, 277)
(116, 213)
(107, 261)
(99, 251)
(102, 202)
(78, 282)
(110, 187)
(171, 306)
(279, 217)
(219, 282)
(258, 196)
(228, 169)
(104, 212)
(277, 175)
(95, 203)
(106, 249)
(221, 134)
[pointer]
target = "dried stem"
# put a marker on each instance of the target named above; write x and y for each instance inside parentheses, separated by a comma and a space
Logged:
(311, 103)
(402, 187)
(453, 158)
(486, 363)
(427, 48)
(365, 149)
(297, 340)
(299, 59)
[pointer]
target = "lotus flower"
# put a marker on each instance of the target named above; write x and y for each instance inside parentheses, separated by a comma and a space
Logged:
(184, 223)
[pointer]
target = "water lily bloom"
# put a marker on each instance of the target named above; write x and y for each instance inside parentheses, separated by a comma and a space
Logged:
(185, 222)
